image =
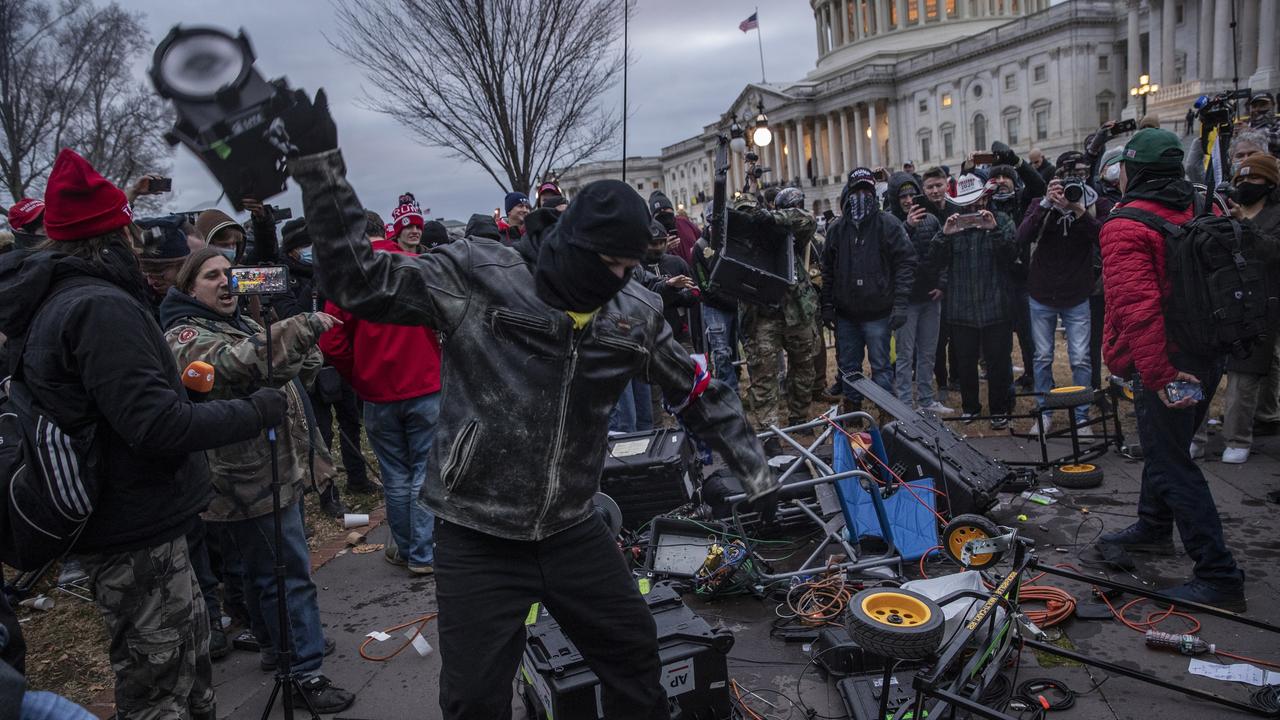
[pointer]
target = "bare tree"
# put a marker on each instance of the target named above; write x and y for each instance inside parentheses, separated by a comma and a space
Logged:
(66, 81)
(511, 85)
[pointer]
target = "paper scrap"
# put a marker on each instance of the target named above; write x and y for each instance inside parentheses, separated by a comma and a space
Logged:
(420, 643)
(1236, 672)
(628, 448)
(379, 636)
(366, 549)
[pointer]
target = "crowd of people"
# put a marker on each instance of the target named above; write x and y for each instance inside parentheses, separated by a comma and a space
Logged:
(923, 280)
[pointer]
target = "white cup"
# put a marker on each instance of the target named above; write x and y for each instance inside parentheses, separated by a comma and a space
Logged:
(351, 520)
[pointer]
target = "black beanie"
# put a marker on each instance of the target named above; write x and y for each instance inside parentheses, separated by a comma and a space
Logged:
(607, 217)
(658, 201)
(294, 235)
(435, 233)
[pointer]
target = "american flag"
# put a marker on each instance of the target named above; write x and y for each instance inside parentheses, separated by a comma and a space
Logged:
(750, 23)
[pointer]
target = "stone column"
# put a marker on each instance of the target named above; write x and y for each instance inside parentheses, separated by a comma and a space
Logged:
(1168, 72)
(1248, 38)
(853, 16)
(1155, 48)
(846, 144)
(779, 170)
(815, 144)
(794, 152)
(1222, 44)
(839, 20)
(833, 146)
(817, 23)
(1204, 63)
(1268, 73)
(873, 119)
(902, 14)
(920, 11)
(858, 155)
(1134, 46)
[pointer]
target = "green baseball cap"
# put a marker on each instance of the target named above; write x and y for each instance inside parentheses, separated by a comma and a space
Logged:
(1152, 146)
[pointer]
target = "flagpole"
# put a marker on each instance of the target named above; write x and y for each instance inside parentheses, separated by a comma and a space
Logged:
(760, 43)
(626, 16)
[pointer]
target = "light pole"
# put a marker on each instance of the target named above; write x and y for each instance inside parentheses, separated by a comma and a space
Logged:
(1144, 88)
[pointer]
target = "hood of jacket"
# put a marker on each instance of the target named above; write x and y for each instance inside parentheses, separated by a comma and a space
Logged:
(178, 306)
(536, 224)
(481, 225)
(896, 182)
(27, 276)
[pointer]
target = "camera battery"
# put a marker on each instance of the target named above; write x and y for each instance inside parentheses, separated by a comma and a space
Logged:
(556, 681)
(648, 474)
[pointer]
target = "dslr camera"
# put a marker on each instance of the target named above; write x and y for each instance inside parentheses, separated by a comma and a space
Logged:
(1073, 189)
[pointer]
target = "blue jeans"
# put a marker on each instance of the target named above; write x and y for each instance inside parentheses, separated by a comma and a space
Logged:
(1174, 491)
(642, 396)
(917, 342)
(254, 541)
(721, 327)
(42, 705)
(401, 433)
(623, 416)
(871, 337)
(1044, 326)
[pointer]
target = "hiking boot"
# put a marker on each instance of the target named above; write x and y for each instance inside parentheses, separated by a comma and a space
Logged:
(324, 696)
(392, 555)
(219, 646)
(421, 569)
(1136, 538)
(268, 661)
(1199, 591)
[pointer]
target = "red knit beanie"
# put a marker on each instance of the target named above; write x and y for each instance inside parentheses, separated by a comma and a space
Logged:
(80, 203)
(407, 213)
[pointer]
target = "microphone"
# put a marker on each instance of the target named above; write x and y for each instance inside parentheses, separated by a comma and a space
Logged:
(197, 378)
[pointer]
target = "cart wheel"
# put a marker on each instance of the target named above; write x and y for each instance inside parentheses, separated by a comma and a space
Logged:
(896, 623)
(1077, 477)
(1068, 396)
(964, 528)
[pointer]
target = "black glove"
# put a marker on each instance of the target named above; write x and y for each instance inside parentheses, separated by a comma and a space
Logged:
(308, 127)
(898, 318)
(271, 404)
(829, 318)
(1004, 154)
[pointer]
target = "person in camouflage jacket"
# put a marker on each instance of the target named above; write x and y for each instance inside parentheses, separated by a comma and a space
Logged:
(202, 322)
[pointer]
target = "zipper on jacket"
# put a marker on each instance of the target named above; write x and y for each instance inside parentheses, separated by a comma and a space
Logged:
(459, 456)
(619, 344)
(553, 476)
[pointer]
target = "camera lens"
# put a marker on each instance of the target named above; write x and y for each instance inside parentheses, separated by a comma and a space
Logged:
(1073, 192)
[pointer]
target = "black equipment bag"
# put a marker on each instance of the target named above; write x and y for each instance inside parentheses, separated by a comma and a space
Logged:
(1220, 302)
(48, 477)
(757, 264)
(649, 473)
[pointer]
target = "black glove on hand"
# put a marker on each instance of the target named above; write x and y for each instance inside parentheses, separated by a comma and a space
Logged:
(829, 318)
(1004, 154)
(308, 127)
(897, 319)
(271, 404)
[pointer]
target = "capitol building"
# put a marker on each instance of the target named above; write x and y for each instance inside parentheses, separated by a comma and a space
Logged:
(931, 81)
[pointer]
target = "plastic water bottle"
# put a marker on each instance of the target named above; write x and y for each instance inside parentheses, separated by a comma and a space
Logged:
(1185, 644)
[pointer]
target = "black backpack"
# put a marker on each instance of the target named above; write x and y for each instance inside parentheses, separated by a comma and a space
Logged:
(48, 477)
(1220, 302)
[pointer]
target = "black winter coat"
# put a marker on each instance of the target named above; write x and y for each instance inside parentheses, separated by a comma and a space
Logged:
(867, 268)
(96, 362)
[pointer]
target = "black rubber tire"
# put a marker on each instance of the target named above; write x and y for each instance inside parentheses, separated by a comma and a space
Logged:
(878, 635)
(963, 528)
(1068, 397)
(1077, 477)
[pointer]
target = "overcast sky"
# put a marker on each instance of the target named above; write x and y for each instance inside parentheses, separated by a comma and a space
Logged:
(689, 61)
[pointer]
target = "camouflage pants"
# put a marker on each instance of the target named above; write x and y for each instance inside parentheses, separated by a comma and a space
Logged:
(766, 336)
(159, 630)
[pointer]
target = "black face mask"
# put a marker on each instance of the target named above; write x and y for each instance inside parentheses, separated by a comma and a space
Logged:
(1250, 193)
(653, 256)
(568, 277)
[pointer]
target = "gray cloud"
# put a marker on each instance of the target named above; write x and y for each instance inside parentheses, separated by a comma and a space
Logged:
(689, 62)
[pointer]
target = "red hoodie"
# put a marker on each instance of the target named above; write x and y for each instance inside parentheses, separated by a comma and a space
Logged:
(384, 363)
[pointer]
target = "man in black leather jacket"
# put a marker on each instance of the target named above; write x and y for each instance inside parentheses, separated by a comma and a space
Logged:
(542, 338)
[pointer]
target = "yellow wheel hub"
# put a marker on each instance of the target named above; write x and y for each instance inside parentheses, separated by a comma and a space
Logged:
(962, 535)
(1078, 468)
(896, 610)
(1067, 389)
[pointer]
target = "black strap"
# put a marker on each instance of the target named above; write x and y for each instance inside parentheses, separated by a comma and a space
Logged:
(1150, 219)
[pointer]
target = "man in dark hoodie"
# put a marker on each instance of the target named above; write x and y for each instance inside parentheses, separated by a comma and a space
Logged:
(917, 340)
(78, 319)
(483, 226)
(1016, 184)
(664, 212)
(868, 269)
(511, 474)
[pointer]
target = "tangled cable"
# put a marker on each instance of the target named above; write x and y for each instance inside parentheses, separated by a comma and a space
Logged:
(419, 625)
(820, 600)
(1060, 605)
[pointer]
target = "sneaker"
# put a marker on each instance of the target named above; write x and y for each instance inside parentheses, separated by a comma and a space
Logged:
(392, 555)
(1197, 451)
(1000, 423)
(1199, 591)
(1084, 431)
(938, 408)
(1136, 538)
(968, 418)
(267, 661)
(836, 390)
(1235, 456)
(1041, 425)
(421, 569)
(219, 646)
(323, 696)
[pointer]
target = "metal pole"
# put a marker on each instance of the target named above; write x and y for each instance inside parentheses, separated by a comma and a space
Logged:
(760, 43)
(626, 60)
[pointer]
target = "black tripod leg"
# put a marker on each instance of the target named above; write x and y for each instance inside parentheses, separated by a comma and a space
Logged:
(271, 701)
(297, 684)
(884, 689)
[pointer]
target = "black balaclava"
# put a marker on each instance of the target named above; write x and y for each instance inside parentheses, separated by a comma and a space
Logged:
(606, 218)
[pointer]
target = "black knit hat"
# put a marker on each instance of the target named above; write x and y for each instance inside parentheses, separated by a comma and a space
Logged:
(294, 235)
(607, 217)
(434, 233)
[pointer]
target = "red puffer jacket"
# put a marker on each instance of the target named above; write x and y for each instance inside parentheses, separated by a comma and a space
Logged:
(1136, 286)
(384, 363)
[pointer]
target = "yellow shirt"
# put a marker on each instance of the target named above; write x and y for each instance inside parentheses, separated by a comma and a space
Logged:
(581, 320)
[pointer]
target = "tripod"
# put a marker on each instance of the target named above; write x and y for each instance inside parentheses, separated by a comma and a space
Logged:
(286, 679)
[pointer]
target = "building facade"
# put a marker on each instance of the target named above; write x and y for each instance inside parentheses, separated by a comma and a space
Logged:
(931, 81)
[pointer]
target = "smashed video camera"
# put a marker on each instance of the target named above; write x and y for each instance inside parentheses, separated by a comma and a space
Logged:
(226, 111)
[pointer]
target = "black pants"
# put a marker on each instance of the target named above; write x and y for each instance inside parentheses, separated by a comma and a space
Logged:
(994, 343)
(1096, 312)
(484, 587)
(348, 411)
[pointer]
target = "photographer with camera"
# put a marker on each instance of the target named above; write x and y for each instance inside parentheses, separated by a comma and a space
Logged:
(1060, 236)
(868, 271)
(93, 359)
(1137, 345)
(1262, 118)
(202, 321)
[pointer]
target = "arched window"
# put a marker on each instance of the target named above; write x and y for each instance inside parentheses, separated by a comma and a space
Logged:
(980, 132)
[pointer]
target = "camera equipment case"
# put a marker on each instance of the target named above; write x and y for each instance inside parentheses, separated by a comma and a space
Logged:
(649, 473)
(756, 264)
(557, 683)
